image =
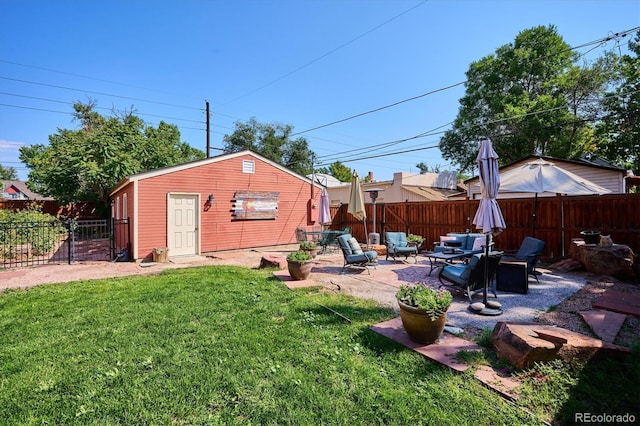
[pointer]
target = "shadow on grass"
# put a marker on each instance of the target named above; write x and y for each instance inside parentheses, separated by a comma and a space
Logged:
(604, 387)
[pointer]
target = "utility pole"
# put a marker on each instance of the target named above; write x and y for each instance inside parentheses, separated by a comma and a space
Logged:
(208, 130)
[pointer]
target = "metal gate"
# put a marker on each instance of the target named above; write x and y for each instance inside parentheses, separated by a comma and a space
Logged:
(63, 241)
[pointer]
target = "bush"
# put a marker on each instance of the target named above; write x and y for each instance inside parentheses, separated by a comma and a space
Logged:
(40, 230)
(299, 256)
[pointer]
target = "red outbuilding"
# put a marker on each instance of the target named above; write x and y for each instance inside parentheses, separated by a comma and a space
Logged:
(232, 201)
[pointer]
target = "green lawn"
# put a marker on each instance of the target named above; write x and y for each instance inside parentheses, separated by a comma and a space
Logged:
(223, 345)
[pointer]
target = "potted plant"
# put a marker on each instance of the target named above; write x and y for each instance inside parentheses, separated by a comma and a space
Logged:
(423, 310)
(415, 240)
(299, 264)
(591, 236)
(311, 247)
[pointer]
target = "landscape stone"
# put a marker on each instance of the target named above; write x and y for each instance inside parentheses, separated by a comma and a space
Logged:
(271, 261)
(616, 261)
(525, 344)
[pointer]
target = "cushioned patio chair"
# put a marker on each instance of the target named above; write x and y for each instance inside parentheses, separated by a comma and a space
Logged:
(354, 255)
(530, 251)
(469, 276)
(397, 245)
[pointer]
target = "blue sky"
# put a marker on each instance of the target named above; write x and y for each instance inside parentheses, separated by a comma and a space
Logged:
(298, 62)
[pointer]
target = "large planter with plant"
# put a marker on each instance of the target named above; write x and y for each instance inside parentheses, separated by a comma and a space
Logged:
(591, 236)
(311, 247)
(299, 264)
(423, 310)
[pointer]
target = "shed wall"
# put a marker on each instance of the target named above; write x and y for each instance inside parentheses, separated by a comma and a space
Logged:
(219, 230)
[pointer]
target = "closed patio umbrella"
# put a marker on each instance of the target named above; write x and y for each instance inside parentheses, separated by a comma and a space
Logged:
(356, 201)
(489, 217)
(324, 215)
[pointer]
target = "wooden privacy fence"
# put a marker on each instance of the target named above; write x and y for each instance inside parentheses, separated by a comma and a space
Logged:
(558, 220)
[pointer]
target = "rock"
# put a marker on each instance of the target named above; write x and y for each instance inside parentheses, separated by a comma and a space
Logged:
(615, 261)
(269, 261)
(525, 344)
(566, 265)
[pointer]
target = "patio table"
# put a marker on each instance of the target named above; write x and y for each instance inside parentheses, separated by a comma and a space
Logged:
(324, 238)
(438, 259)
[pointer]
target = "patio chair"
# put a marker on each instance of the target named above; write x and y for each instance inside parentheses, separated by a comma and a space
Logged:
(301, 235)
(469, 276)
(354, 255)
(397, 245)
(530, 251)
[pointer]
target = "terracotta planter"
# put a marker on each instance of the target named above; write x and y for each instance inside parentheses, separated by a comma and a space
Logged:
(419, 326)
(299, 270)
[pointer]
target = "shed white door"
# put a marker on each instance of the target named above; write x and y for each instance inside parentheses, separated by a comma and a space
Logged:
(182, 221)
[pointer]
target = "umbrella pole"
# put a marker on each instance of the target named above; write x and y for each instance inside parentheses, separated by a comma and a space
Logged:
(486, 270)
(488, 309)
(535, 214)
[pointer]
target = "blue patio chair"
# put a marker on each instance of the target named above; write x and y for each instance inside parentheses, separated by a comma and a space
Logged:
(353, 253)
(397, 245)
(469, 276)
(530, 251)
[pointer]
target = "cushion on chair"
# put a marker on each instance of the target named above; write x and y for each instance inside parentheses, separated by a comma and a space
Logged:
(355, 246)
(459, 273)
(468, 240)
(448, 239)
(479, 243)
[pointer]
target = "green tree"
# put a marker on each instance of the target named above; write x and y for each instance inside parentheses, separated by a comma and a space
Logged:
(8, 173)
(85, 164)
(619, 132)
(338, 171)
(529, 97)
(426, 169)
(272, 141)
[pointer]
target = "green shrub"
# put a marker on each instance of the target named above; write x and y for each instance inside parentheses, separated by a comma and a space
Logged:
(299, 256)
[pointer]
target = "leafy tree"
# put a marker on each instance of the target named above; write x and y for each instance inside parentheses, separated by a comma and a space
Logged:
(272, 141)
(619, 132)
(85, 164)
(426, 169)
(529, 97)
(8, 173)
(338, 171)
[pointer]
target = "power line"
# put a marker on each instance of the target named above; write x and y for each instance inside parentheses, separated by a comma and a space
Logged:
(97, 107)
(94, 79)
(596, 42)
(381, 108)
(70, 113)
(100, 93)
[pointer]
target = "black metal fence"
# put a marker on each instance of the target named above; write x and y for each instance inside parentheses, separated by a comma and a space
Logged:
(61, 241)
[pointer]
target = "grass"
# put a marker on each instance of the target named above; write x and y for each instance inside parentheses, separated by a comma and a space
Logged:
(224, 345)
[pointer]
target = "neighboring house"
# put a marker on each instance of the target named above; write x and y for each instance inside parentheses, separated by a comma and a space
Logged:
(232, 201)
(403, 187)
(17, 190)
(608, 177)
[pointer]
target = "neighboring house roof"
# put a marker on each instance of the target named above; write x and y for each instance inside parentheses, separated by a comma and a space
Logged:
(326, 180)
(197, 163)
(432, 194)
(404, 187)
(18, 190)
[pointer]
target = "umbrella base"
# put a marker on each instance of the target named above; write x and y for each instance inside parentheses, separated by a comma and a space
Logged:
(486, 311)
